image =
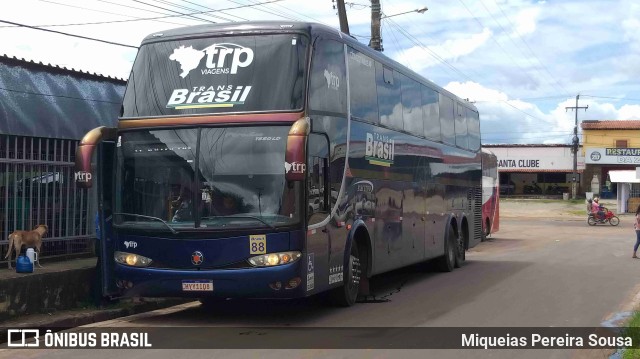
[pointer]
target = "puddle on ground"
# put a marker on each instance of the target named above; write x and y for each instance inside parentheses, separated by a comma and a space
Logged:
(614, 322)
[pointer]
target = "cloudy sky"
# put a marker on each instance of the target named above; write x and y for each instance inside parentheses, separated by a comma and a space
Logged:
(521, 62)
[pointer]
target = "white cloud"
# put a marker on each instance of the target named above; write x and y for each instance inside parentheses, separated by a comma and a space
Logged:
(525, 21)
(419, 59)
(629, 112)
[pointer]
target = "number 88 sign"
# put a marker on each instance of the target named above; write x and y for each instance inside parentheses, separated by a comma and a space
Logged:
(258, 244)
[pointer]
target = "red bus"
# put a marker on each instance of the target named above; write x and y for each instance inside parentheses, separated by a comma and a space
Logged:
(278, 160)
(490, 194)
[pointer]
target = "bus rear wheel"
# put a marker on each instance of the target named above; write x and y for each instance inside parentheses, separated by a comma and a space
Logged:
(447, 262)
(461, 254)
(346, 295)
(487, 230)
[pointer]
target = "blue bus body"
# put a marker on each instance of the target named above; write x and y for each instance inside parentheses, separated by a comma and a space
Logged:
(382, 184)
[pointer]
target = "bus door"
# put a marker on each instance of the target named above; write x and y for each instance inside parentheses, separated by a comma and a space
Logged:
(104, 170)
(318, 193)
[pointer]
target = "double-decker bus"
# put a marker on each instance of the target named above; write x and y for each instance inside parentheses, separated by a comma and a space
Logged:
(490, 194)
(278, 160)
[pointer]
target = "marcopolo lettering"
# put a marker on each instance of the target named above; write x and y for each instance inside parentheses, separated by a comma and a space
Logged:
(379, 150)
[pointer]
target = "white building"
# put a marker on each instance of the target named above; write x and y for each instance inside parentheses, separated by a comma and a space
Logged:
(536, 169)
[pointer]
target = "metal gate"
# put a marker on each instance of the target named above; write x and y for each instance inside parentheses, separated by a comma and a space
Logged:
(37, 186)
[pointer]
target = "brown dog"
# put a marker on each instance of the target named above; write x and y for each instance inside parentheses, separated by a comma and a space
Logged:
(32, 239)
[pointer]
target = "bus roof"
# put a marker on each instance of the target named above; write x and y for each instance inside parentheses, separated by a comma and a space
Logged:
(257, 27)
(237, 27)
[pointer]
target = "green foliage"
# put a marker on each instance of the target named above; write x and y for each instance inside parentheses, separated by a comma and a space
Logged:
(633, 331)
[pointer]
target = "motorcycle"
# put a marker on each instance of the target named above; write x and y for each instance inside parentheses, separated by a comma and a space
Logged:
(532, 189)
(556, 189)
(609, 217)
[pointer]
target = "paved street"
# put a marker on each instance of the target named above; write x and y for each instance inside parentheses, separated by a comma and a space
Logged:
(535, 272)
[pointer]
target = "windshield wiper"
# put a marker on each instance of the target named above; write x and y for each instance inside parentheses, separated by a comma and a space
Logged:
(243, 216)
(148, 217)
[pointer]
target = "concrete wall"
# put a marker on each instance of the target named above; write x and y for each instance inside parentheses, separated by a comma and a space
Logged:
(44, 292)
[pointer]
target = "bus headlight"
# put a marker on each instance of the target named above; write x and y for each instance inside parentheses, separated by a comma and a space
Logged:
(274, 259)
(130, 259)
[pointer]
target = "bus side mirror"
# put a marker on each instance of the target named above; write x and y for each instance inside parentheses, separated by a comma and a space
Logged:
(295, 158)
(84, 153)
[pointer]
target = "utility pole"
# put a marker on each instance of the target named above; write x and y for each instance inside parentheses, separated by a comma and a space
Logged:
(376, 13)
(342, 15)
(575, 146)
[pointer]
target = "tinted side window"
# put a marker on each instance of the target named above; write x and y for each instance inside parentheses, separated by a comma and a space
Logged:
(389, 97)
(362, 81)
(430, 113)
(473, 122)
(327, 88)
(411, 106)
(447, 120)
(461, 127)
(317, 178)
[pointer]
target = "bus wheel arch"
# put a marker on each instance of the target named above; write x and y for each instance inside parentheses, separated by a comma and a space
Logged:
(357, 267)
(362, 239)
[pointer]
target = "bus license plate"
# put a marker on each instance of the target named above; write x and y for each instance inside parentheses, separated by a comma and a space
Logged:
(197, 286)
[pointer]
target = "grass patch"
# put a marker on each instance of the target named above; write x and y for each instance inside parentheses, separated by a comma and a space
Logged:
(543, 200)
(578, 212)
(634, 322)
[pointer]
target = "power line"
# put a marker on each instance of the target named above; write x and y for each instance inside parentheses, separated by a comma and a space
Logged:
(100, 11)
(149, 18)
(512, 41)
(529, 47)
(67, 34)
(192, 9)
(209, 8)
(437, 57)
(527, 99)
(614, 98)
(497, 43)
(268, 10)
(174, 11)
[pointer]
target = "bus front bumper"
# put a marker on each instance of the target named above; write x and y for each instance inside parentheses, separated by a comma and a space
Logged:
(262, 282)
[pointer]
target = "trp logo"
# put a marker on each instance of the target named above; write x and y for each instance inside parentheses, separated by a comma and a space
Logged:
(295, 167)
(82, 176)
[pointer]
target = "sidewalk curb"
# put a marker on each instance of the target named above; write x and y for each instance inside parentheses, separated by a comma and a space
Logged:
(70, 320)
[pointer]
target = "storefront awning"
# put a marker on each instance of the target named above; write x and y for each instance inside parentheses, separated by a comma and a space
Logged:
(623, 177)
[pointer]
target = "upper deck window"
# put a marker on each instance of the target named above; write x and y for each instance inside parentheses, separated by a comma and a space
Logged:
(218, 74)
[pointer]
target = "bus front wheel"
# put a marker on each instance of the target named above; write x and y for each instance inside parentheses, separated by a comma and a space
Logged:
(346, 295)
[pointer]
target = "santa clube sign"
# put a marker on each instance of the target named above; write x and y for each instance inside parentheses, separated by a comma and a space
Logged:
(509, 163)
(542, 164)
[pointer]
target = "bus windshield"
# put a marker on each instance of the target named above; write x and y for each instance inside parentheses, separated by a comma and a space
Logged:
(217, 75)
(235, 179)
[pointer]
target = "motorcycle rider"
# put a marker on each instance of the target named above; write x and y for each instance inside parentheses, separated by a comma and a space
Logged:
(597, 210)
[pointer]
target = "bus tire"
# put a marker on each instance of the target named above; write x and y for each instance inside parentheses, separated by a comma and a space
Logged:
(487, 230)
(346, 295)
(461, 254)
(447, 262)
